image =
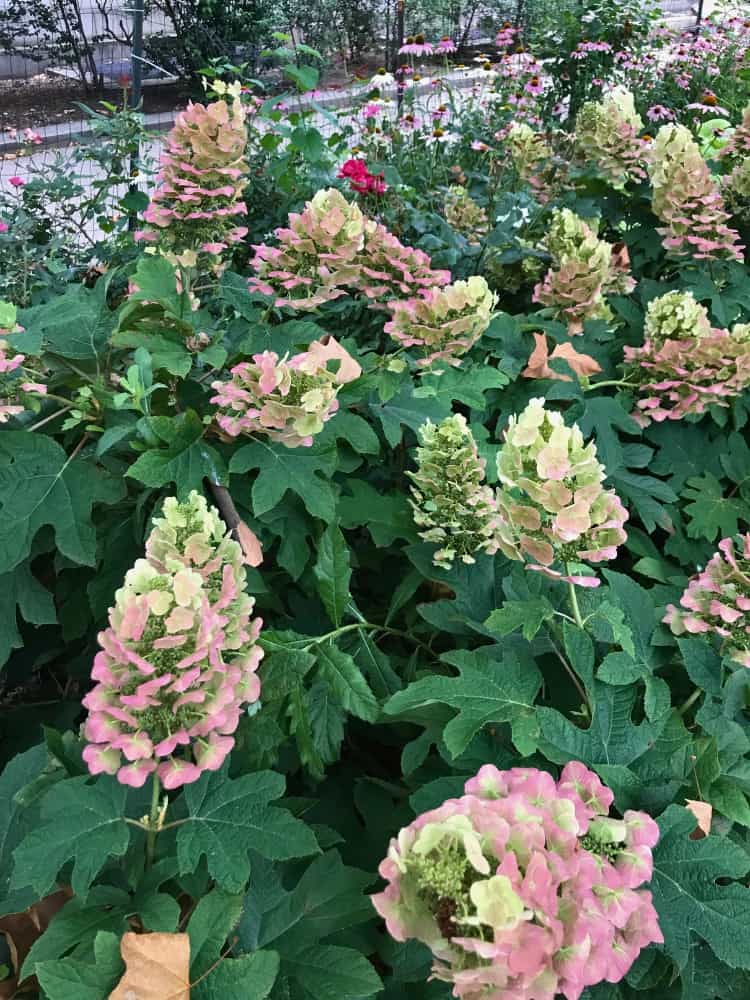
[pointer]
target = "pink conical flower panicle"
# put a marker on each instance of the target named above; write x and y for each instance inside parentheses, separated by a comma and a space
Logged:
(687, 199)
(197, 207)
(179, 659)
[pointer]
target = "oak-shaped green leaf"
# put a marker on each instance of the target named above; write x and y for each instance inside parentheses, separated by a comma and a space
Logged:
(73, 930)
(529, 616)
(17, 819)
(185, 461)
(612, 736)
(296, 469)
(688, 897)
(226, 819)
(40, 485)
(74, 325)
(387, 516)
(490, 689)
(711, 512)
(22, 592)
(82, 822)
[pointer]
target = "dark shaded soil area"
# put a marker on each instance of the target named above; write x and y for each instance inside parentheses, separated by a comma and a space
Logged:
(46, 99)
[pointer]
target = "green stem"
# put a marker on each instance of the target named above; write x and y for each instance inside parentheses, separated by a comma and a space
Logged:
(343, 629)
(574, 604)
(153, 819)
(619, 383)
(688, 704)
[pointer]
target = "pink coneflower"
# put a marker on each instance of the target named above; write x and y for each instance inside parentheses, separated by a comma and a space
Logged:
(3, 226)
(534, 86)
(416, 45)
(374, 109)
(706, 108)
(479, 147)
(446, 45)
(658, 113)
(17, 182)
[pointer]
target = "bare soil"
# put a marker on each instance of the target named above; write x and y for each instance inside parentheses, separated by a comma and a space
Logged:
(46, 99)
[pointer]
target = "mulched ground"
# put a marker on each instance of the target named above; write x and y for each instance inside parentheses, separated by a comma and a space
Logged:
(48, 100)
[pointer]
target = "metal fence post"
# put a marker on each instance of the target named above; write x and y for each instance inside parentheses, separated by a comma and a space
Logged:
(136, 67)
(136, 56)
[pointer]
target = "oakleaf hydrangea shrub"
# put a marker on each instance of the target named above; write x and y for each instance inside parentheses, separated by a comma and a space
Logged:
(451, 505)
(484, 532)
(524, 887)
(553, 507)
(179, 659)
(717, 600)
(286, 399)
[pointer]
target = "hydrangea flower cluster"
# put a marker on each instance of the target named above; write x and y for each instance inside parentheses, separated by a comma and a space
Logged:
(388, 269)
(533, 159)
(13, 386)
(465, 216)
(179, 658)
(738, 147)
(444, 322)
(552, 505)
(449, 501)
(331, 249)
(318, 254)
(717, 600)
(524, 888)
(675, 315)
(688, 374)
(736, 190)
(584, 269)
(687, 198)
(198, 201)
(286, 399)
(607, 134)
(360, 179)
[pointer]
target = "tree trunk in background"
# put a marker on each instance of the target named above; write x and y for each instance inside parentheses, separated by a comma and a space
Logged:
(398, 34)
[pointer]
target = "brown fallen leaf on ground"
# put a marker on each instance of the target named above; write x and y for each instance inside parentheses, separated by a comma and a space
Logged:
(21, 930)
(703, 812)
(157, 967)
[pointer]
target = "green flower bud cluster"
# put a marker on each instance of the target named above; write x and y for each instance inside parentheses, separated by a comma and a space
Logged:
(450, 504)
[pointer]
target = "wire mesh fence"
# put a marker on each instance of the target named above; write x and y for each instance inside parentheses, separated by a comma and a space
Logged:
(58, 57)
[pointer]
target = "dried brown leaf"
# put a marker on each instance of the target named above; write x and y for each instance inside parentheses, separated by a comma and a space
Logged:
(703, 812)
(157, 967)
(21, 930)
(538, 366)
